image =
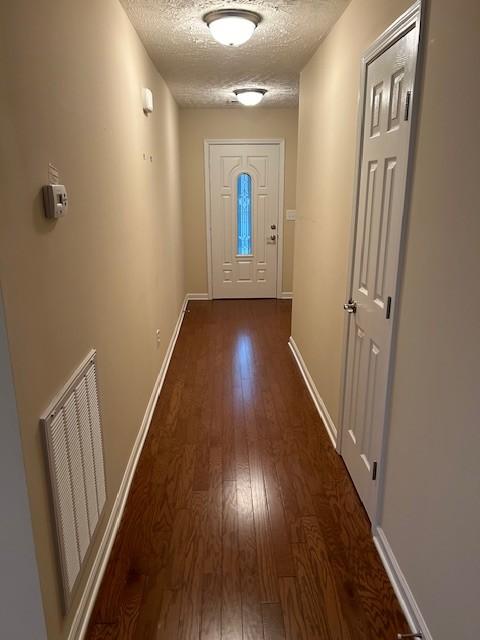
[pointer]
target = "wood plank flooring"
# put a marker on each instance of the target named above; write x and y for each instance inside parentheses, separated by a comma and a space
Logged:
(242, 522)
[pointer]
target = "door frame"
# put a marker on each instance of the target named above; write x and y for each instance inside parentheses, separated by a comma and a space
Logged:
(412, 18)
(280, 143)
(21, 587)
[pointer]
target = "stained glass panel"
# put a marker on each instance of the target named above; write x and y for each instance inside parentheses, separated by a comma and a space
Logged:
(244, 214)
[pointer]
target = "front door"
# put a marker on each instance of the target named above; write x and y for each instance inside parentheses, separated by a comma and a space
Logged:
(244, 206)
(383, 169)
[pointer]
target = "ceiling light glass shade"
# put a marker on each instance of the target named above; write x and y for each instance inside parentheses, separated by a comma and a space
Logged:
(232, 28)
(250, 97)
(232, 31)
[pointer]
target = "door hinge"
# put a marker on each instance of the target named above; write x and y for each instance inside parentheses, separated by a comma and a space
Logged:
(374, 471)
(407, 104)
(389, 307)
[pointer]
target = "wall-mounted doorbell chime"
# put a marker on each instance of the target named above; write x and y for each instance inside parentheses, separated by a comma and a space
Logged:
(147, 101)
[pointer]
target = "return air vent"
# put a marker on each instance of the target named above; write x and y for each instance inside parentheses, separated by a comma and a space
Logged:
(74, 445)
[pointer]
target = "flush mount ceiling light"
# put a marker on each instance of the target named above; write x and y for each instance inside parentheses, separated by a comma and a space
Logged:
(250, 97)
(232, 27)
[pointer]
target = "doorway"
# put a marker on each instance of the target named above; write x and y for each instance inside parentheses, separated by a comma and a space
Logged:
(244, 209)
(388, 82)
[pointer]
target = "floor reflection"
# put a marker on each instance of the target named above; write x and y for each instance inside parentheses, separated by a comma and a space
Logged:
(243, 362)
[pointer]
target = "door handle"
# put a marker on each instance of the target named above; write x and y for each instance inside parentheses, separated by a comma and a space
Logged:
(273, 237)
(350, 306)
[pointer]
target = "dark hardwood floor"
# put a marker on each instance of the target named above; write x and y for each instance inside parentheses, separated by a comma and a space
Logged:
(242, 521)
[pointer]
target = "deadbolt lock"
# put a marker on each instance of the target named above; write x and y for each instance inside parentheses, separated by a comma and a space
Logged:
(350, 306)
(273, 226)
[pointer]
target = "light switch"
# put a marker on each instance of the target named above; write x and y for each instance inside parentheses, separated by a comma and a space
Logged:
(55, 200)
(291, 214)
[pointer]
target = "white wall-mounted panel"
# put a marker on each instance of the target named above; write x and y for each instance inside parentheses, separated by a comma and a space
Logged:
(77, 476)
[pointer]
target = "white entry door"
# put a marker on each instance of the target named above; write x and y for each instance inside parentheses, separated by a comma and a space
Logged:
(389, 81)
(244, 184)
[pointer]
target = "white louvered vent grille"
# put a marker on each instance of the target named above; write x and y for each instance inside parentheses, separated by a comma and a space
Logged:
(75, 455)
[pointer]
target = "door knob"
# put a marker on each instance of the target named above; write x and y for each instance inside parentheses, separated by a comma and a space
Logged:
(273, 237)
(350, 306)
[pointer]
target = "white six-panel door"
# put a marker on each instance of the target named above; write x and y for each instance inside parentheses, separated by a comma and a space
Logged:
(244, 210)
(383, 169)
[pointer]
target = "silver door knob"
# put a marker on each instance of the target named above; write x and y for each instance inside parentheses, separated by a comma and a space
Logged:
(350, 306)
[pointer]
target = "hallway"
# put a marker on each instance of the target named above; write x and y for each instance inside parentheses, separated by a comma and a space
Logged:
(242, 521)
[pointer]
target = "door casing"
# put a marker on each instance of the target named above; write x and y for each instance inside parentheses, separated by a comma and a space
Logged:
(280, 142)
(413, 17)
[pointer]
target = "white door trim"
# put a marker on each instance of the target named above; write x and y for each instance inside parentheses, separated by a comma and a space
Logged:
(412, 18)
(280, 142)
(19, 583)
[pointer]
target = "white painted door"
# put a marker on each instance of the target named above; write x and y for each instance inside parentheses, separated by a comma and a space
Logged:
(244, 206)
(381, 198)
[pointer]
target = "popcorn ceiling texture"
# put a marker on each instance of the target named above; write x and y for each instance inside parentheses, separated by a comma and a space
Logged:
(202, 73)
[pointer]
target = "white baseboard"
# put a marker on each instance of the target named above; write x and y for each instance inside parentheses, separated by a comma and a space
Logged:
(84, 610)
(285, 295)
(403, 592)
(317, 399)
(197, 296)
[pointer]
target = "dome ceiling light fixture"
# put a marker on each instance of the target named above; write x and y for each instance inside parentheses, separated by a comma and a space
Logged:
(232, 27)
(250, 97)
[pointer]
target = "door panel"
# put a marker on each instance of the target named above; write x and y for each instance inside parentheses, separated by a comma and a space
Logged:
(383, 170)
(244, 217)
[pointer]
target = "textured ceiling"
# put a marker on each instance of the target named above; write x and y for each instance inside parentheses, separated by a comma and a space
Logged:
(202, 73)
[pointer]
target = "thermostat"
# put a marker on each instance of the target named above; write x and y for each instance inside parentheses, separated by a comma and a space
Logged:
(55, 200)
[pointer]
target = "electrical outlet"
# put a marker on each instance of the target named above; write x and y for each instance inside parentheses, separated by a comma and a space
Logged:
(157, 333)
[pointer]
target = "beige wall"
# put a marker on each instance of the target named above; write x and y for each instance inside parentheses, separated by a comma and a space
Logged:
(431, 515)
(195, 126)
(110, 272)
